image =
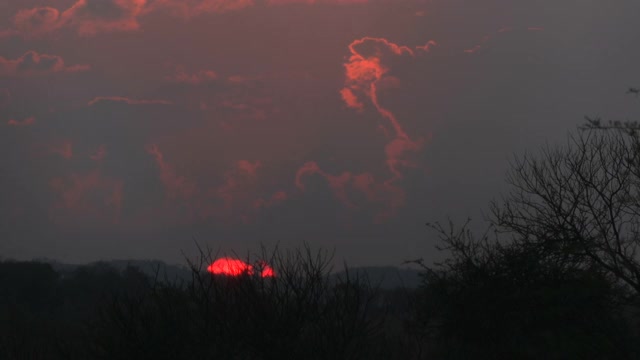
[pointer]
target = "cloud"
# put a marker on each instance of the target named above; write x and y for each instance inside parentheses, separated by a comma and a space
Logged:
(100, 153)
(316, 2)
(20, 123)
(32, 64)
(346, 185)
(238, 196)
(366, 73)
(88, 195)
(37, 21)
(64, 149)
(128, 101)
(8, 33)
(177, 187)
(275, 199)
(92, 17)
(478, 46)
(351, 99)
(250, 168)
(392, 196)
(181, 76)
(89, 17)
(234, 192)
(190, 8)
(428, 46)
(86, 17)
(338, 183)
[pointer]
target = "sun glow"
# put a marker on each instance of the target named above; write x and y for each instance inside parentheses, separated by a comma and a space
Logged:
(235, 267)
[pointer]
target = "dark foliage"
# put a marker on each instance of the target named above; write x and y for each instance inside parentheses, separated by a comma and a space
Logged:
(98, 312)
(492, 300)
(557, 276)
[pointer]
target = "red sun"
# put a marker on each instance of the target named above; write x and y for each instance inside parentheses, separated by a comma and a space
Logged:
(235, 267)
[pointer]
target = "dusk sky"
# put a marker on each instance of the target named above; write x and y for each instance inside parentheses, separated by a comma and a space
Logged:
(129, 128)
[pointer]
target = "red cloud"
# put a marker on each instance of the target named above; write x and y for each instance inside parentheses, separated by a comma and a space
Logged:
(125, 100)
(365, 74)
(351, 99)
(248, 167)
(65, 149)
(479, 46)
(100, 154)
(189, 8)
(37, 21)
(237, 181)
(275, 199)
(26, 122)
(78, 195)
(312, 2)
(337, 183)
(86, 17)
(90, 17)
(181, 76)
(428, 46)
(235, 198)
(177, 187)
(385, 193)
(8, 33)
(32, 63)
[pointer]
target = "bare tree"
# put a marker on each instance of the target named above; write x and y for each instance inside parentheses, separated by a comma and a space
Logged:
(579, 203)
(301, 312)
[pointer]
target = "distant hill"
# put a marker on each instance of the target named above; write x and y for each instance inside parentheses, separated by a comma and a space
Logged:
(163, 270)
(385, 277)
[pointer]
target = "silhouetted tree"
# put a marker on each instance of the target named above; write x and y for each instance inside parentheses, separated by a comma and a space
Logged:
(301, 313)
(579, 202)
(558, 274)
(491, 300)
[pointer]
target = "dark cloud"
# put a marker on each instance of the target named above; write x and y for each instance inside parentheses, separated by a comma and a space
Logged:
(86, 17)
(182, 76)
(24, 122)
(32, 64)
(37, 21)
(128, 101)
(89, 17)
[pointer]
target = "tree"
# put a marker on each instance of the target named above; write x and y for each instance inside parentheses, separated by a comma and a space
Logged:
(558, 274)
(302, 312)
(579, 203)
(493, 299)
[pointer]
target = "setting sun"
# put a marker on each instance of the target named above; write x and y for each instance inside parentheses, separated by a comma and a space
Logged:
(235, 267)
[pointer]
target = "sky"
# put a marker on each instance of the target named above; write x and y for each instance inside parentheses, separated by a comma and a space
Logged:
(136, 128)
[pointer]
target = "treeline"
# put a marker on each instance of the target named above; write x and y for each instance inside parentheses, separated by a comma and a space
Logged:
(483, 304)
(98, 312)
